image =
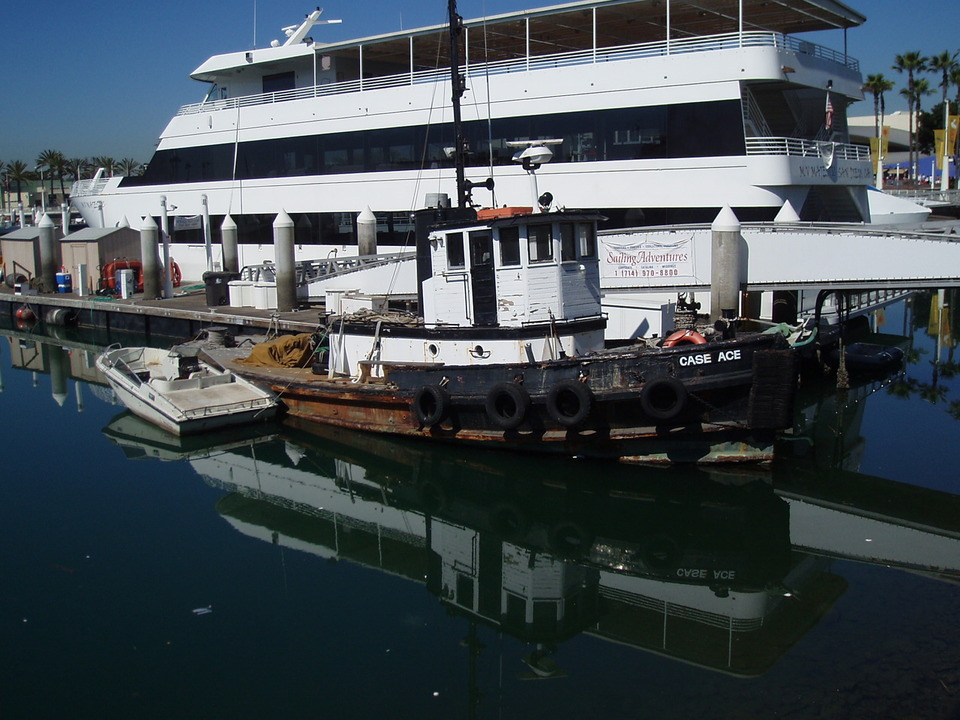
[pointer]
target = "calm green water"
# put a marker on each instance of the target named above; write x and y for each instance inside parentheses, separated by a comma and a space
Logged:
(304, 573)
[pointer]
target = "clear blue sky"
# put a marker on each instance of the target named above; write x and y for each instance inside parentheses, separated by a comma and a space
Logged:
(104, 77)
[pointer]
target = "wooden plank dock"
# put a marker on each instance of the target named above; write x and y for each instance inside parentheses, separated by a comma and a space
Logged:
(182, 316)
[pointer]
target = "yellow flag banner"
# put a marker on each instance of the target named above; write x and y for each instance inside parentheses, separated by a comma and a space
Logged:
(874, 155)
(882, 143)
(938, 136)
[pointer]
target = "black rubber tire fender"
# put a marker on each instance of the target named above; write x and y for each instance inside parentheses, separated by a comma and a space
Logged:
(663, 398)
(507, 405)
(431, 405)
(570, 403)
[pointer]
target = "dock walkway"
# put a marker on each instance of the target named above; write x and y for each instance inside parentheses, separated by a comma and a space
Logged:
(183, 315)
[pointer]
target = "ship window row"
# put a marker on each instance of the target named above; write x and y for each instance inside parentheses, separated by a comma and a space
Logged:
(706, 129)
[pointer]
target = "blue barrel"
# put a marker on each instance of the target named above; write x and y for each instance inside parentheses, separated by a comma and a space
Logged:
(64, 282)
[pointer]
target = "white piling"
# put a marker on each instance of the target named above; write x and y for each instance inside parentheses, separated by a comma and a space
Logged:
(787, 214)
(207, 233)
(725, 261)
(228, 236)
(65, 218)
(48, 254)
(165, 238)
(286, 260)
(367, 232)
(149, 249)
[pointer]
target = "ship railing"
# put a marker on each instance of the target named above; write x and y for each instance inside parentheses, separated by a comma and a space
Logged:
(308, 271)
(88, 187)
(662, 48)
(798, 147)
(926, 196)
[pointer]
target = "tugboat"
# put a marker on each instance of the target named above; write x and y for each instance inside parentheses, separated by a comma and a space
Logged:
(508, 350)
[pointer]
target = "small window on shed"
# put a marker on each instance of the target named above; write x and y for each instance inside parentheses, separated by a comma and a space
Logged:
(509, 246)
(455, 257)
(539, 243)
(568, 242)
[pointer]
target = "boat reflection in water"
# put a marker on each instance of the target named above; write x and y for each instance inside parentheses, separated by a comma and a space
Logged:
(723, 570)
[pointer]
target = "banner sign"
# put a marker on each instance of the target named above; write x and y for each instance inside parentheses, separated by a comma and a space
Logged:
(652, 257)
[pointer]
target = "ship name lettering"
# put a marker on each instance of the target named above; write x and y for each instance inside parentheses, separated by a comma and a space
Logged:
(702, 359)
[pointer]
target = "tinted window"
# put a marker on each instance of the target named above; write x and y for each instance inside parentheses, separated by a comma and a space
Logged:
(568, 242)
(455, 258)
(539, 243)
(509, 246)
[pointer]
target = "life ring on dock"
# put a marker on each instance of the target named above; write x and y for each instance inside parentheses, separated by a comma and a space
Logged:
(684, 337)
(431, 405)
(507, 405)
(570, 403)
(663, 398)
(175, 275)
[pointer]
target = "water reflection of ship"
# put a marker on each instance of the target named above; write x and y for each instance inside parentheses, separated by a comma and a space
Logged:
(723, 571)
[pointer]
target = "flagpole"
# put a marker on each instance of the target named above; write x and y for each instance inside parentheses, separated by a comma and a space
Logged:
(945, 167)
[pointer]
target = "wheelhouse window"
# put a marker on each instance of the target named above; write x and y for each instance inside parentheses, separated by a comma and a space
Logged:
(568, 242)
(588, 239)
(509, 246)
(455, 256)
(539, 243)
(481, 248)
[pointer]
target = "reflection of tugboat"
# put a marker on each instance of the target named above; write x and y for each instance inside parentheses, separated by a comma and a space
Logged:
(538, 551)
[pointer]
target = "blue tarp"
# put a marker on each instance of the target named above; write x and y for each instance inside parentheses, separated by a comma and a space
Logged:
(924, 167)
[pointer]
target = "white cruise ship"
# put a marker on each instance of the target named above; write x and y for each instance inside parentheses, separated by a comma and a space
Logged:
(667, 110)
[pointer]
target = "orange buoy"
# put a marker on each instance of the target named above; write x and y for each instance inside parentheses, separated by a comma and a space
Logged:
(685, 337)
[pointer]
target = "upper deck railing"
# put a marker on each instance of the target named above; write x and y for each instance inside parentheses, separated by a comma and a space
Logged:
(797, 147)
(662, 48)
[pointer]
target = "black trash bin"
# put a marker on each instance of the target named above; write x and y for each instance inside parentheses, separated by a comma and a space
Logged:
(218, 292)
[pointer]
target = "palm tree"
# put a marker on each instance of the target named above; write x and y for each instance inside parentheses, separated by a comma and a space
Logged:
(77, 167)
(107, 163)
(19, 173)
(59, 166)
(51, 160)
(945, 63)
(877, 85)
(921, 89)
(128, 166)
(955, 81)
(910, 63)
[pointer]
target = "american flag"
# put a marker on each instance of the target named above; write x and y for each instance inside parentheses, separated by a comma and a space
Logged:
(828, 113)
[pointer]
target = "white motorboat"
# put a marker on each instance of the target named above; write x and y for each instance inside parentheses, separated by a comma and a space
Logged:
(182, 392)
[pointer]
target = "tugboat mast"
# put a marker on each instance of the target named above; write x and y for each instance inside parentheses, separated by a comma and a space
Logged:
(457, 88)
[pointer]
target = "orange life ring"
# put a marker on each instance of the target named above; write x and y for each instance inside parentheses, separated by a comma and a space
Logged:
(685, 337)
